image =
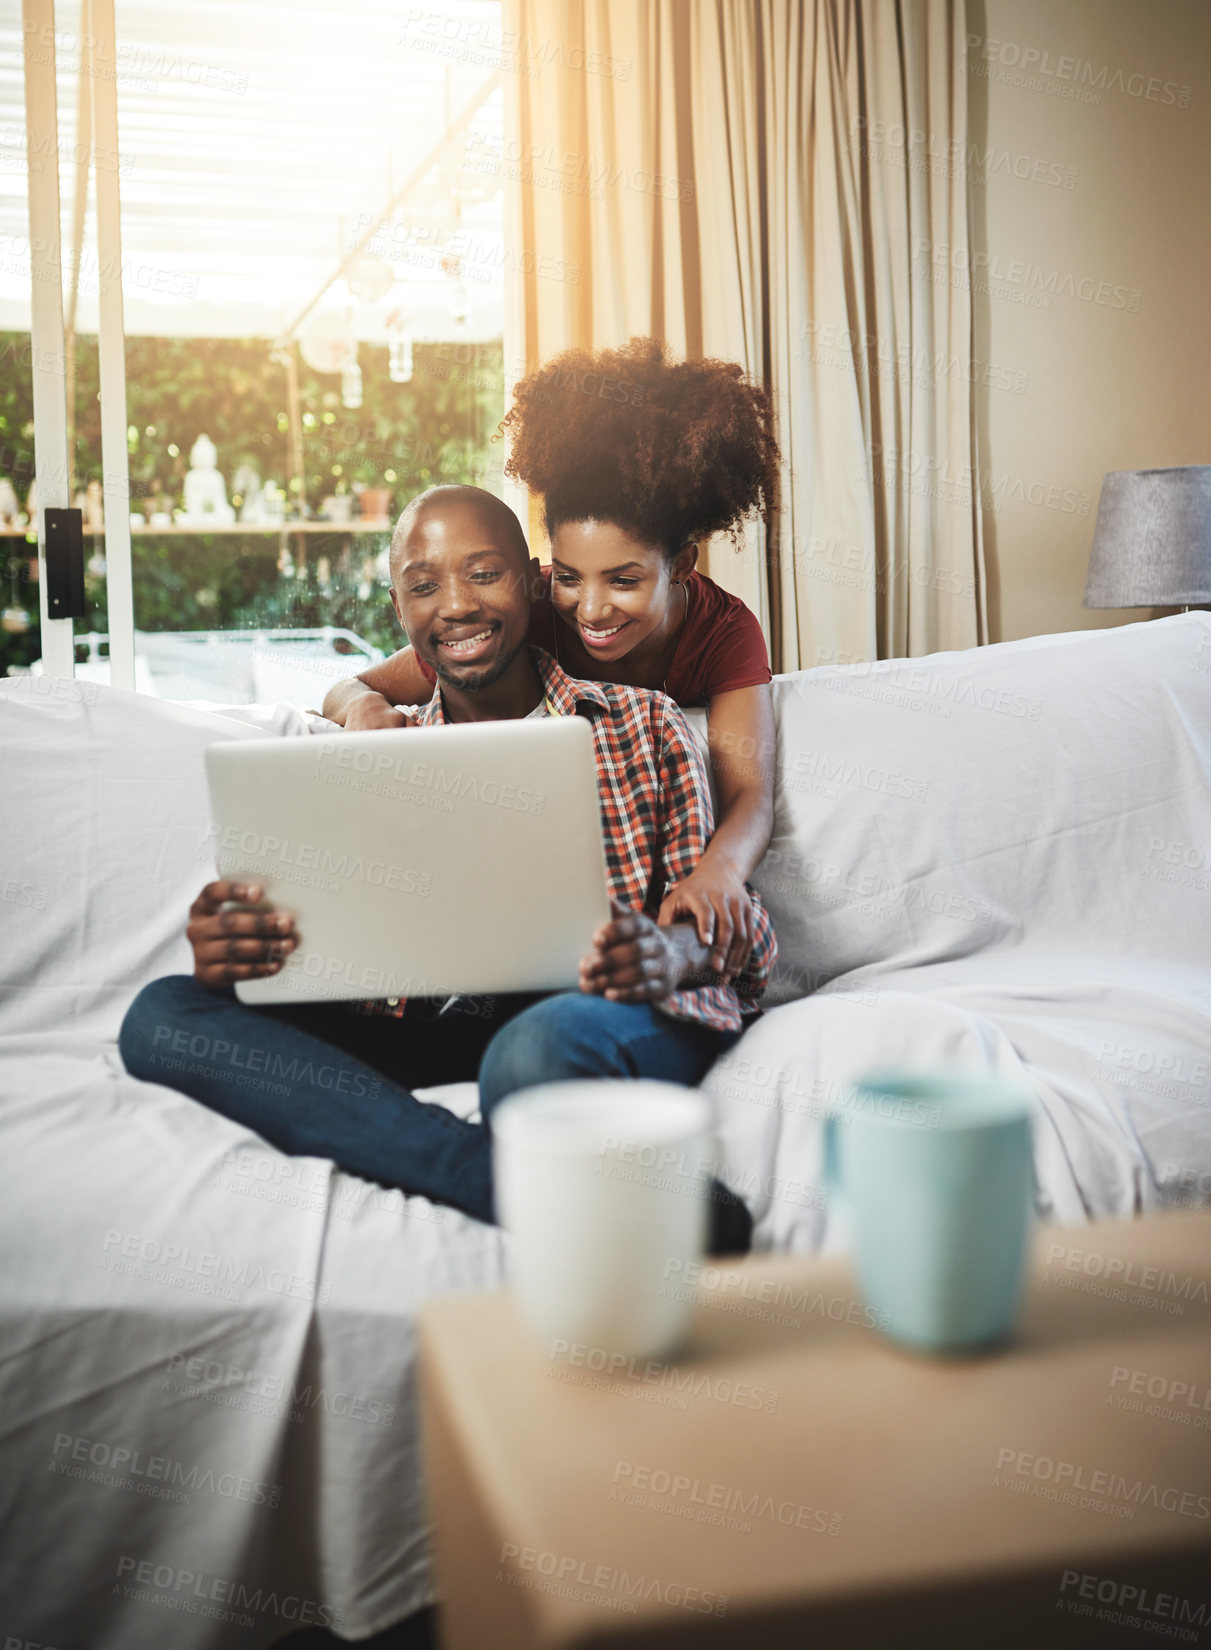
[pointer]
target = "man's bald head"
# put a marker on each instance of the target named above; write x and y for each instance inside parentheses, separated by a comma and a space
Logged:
(492, 512)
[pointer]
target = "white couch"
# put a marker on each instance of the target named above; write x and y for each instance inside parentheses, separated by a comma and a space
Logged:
(999, 858)
(1002, 859)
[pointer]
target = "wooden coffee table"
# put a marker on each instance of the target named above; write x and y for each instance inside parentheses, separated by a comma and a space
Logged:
(796, 1474)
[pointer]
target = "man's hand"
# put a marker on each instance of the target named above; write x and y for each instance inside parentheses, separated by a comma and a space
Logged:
(232, 944)
(634, 961)
(371, 710)
(714, 898)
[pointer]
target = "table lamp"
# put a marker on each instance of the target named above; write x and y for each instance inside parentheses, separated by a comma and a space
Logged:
(1152, 542)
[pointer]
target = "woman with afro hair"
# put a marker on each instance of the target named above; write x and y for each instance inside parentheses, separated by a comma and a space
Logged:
(639, 458)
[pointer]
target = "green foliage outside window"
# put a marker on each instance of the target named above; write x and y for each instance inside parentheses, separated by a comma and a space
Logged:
(403, 438)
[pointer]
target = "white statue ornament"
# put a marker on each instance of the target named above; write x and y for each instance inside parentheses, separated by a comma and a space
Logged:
(91, 504)
(248, 494)
(205, 490)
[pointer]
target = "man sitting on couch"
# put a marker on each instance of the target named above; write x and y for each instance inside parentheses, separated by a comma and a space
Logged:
(459, 587)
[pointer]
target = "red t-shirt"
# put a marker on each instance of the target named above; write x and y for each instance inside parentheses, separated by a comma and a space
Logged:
(720, 647)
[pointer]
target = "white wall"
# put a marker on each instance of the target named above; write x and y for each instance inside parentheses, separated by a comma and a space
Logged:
(1115, 203)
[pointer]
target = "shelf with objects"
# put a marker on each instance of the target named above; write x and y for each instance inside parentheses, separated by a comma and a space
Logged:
(282, 529)
(232, 611)
(281, 519)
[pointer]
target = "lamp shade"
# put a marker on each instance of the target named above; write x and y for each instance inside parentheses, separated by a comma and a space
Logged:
(1152, 542)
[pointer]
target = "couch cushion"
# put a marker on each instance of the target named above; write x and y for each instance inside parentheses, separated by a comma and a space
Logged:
(1053, 792)
(1118, 1056)
(105, 823)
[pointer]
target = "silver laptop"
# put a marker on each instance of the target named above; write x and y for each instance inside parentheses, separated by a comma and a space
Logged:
(419, 862)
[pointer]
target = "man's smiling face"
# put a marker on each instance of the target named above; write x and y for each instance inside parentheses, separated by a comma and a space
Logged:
(460, 593)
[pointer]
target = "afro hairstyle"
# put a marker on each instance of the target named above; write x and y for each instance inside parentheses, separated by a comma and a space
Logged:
(670, 451)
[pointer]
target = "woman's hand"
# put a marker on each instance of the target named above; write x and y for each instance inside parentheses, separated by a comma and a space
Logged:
(230, 943)
(398, 680)
(370, 711)
(714, 898)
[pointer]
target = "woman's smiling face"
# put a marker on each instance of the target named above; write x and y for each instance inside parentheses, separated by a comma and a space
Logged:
(612, 589)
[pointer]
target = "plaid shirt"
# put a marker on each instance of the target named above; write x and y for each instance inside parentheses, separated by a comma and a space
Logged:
(655, 817)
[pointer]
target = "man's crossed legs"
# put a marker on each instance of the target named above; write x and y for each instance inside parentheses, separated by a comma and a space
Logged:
(316, 1080)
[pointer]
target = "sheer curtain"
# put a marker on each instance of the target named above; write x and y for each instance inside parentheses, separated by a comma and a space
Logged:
(781, 183)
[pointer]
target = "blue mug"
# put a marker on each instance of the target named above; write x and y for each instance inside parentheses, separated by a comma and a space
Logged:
(937, 1171)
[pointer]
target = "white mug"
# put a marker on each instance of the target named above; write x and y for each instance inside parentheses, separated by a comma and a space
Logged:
(601, 1185)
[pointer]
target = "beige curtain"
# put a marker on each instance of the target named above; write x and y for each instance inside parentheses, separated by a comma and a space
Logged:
(782, 183)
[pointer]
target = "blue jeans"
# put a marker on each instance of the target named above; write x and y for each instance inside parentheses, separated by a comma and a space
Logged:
(316, 1080)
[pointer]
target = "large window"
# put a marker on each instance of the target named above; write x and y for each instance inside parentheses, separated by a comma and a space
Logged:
(312, 271)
